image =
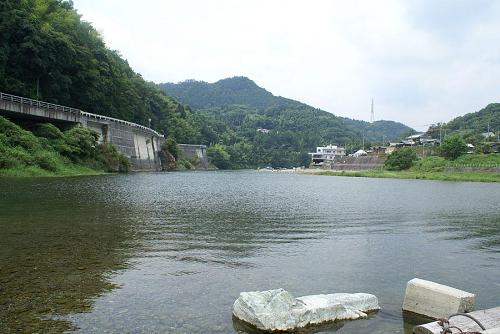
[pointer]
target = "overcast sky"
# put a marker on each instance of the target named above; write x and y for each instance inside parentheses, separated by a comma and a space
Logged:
(422, 61)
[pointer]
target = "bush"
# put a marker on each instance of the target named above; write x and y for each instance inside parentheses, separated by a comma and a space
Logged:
(483, 148)
(7, 161)
(111, 160)
(452, 147)
(184, 165)
(430, 164)
(79, 144)
(47, 160)
(401, 159)
(218, 156)
(48, 130)
(170, 145)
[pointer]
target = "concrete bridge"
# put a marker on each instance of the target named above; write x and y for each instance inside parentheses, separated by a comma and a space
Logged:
(139, 143)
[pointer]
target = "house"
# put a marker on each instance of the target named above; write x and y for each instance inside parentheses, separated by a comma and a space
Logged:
(429, 142)
(327, 153)
(416, 138)
(377, 151)
(488, 135)
(262, 130)
(359, 153)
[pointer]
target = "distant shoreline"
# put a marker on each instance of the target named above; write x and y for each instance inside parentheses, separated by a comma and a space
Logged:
(442, 176)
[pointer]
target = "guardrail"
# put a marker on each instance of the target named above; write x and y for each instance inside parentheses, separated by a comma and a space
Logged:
(56, 107)
(36, 103)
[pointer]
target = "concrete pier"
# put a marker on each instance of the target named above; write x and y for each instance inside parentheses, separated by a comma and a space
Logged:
(436, 300)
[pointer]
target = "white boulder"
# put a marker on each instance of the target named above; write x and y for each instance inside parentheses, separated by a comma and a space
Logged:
(274, 310)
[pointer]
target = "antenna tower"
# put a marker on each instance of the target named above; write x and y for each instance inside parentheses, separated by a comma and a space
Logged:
(372, 115)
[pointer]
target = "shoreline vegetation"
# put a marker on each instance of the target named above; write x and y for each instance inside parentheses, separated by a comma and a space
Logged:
(48, 151)
(416, 175)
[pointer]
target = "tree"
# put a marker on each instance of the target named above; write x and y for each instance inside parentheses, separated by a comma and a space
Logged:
(218, 156)
(401, 159)
(171, 146)
(452, 147)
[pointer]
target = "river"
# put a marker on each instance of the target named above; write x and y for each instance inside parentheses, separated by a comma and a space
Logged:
(170, 252)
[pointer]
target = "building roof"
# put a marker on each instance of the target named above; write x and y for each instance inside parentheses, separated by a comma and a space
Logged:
(416, 136)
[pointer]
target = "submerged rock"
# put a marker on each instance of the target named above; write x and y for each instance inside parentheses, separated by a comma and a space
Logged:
(275, 310)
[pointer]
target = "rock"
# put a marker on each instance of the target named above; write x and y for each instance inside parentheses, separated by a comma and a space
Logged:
(436, 300)
(274, 310)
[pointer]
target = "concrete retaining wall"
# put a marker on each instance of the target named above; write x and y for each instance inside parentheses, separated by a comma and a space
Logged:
(473, 169)
(194, 152)
(357, 163)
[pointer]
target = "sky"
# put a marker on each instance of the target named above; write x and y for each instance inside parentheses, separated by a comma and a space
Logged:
(422, 61)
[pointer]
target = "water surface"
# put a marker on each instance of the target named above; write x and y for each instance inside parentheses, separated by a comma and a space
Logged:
(170, 252)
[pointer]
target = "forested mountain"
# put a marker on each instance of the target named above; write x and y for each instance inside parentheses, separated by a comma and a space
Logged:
(241, 91)
(471, 125)
(478, 121)
(46, 47)
(225, 92)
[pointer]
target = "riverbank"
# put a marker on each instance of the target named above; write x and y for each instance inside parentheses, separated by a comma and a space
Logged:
(44, 150)
(33, 171)
(443, 176)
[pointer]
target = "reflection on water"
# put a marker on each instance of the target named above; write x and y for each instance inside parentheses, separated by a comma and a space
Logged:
(181, 246)
(56, 251)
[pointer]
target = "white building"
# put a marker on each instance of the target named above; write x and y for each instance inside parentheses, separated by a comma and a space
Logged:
(327, 154)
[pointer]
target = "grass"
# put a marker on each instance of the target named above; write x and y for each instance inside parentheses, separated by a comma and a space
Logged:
(410, 174)
(35, 171)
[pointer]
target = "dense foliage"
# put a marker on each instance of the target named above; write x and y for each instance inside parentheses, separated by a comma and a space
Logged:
(471, 126)
(452, 147)
(256, 128)
(478, 121)
(46, 47)
(53, 151)
(401, 159)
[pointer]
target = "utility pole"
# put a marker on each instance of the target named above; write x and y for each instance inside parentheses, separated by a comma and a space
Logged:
(363, 141)
(37, 87)
(440, 132)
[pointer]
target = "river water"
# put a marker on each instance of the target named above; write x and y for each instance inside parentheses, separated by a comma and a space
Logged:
(170, 252)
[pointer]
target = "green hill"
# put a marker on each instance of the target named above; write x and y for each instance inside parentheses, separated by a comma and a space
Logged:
(471, 125)
(225, 92)
(231, 93)
(478, 121)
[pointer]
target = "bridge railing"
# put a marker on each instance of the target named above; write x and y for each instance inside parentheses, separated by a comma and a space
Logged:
(36, 103)
(56, 107)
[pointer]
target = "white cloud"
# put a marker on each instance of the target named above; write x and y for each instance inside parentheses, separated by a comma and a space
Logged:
(335, 55)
